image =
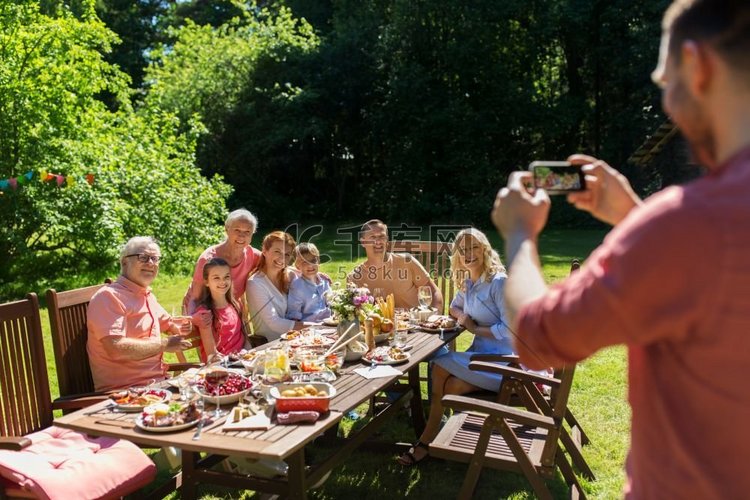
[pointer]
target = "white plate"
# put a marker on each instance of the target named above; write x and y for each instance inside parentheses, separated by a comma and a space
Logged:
(164, 428)
(330, 322)
(389, 361)
(165, 396)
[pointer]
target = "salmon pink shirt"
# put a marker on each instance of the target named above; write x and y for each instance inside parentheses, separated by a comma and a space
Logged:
(239, 274)
(226, 329)
(672, 282)
(124, 309)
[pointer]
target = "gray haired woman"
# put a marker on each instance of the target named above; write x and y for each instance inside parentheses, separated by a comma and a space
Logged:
(236, 250)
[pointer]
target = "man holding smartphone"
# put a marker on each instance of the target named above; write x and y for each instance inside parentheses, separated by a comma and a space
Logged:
(672, 279)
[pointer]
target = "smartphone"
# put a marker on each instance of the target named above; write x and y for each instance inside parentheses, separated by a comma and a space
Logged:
(558, 177)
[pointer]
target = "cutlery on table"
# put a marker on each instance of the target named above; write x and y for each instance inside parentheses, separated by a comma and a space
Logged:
(198, 431)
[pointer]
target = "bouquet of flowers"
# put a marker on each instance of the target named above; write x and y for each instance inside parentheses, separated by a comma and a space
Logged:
(346, 302)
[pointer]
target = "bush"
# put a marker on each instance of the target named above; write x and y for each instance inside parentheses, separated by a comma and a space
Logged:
(145, 181)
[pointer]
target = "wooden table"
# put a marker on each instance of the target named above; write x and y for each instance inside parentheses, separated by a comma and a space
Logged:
(277, 443)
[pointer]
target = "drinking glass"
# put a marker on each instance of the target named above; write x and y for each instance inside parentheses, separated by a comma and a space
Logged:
(378, 293)
(399, 338)
(214, 362)
(276, 364)
(183, 384)
(425, 296)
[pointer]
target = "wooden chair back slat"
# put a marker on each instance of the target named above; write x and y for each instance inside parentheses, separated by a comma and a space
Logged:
(25, 404)
(435, 258)
(67, 315)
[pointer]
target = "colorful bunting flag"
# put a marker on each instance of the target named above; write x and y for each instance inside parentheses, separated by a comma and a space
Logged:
(43, 176)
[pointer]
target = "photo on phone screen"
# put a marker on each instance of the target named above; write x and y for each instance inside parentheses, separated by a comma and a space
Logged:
(558, 177)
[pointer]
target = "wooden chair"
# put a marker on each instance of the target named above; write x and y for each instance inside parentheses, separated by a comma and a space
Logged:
(26, 418)
(67, 315)
(67, 318)
(435, 256)
(507, 396)
(490, 434)
(532, 398)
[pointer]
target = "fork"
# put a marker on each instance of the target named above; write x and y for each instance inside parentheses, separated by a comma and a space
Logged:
(200, 405)
(110, 406)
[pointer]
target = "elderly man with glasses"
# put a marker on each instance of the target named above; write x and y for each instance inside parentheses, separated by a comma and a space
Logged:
(125, 323)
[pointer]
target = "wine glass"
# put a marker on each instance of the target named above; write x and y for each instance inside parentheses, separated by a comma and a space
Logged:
(424, 296)
(210, 376)
(378, 293)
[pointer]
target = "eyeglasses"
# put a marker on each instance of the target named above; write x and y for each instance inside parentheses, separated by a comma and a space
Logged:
(145, 258)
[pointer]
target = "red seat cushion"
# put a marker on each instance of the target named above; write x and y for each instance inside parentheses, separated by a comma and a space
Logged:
(63, 464)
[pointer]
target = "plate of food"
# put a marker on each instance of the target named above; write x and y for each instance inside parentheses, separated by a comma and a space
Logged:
(439, 323)
(387, 355)
(244, 358)
(311, 340)
(292, 334)
(171, 417)
(137, 398)
(223, 387)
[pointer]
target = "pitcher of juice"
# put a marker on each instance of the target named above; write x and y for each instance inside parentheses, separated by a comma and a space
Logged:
(276, 365)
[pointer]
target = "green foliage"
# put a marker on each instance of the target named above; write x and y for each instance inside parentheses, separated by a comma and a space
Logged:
(240, 81)
(51, 72)
(409, 110)
(134, 23)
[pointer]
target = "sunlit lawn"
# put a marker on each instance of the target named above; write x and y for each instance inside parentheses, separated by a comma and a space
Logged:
(598, 401)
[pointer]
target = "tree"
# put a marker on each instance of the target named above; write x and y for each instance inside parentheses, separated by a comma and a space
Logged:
(144, 178)
(241, 81)
(137, 23)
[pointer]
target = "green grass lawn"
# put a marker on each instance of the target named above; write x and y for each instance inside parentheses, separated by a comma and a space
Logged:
(598, 401)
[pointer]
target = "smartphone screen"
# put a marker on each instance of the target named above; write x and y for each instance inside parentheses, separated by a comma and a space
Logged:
(558, 177)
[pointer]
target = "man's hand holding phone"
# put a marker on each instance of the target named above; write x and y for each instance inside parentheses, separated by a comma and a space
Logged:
(608, 195)
(519, 212)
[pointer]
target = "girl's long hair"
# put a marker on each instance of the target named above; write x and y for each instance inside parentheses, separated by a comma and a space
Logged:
(207, 301)
(491, 263)
(269, 240)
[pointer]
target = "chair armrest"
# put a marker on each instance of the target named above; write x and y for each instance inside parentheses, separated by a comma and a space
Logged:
(14, 443)
(78, 401)
(181, 367)
(462, 403)
(516, 373)
(497, 358)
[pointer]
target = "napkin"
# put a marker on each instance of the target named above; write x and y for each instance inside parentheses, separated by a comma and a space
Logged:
(378, 372)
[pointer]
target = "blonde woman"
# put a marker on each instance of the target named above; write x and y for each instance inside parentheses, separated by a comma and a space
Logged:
(478, 306)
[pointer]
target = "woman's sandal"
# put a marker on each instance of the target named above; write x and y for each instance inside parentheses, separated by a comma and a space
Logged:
(408, 459)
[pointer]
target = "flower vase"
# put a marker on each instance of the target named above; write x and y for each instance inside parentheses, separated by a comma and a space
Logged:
(343, 328)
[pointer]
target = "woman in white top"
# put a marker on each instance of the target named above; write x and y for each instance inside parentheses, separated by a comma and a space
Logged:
(268, 286)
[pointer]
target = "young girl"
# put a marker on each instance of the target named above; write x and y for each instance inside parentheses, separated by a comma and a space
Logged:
(218, 314)
(307, 291)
